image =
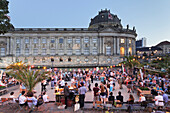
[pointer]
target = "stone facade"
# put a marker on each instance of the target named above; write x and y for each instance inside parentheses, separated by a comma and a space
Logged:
(70, 47)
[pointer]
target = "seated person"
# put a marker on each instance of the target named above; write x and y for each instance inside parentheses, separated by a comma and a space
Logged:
(158, 100)
(31, 97)
(45, 97)
(12, 96)
(131, 99)
(142, 98)
(119, 97)
(111, 98)
(22, 99)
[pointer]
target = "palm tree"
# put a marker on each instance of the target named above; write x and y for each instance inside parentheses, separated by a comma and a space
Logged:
(130, 63)
(23, 74)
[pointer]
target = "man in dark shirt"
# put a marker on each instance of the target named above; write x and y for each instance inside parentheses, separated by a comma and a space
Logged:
(96, 95)
(66, 94)
(119, 97)
(111, 98)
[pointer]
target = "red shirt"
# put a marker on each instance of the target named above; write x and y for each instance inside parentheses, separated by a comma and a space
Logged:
(96, 90)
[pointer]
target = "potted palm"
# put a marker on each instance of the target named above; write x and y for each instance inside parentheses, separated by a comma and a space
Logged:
(24, 74)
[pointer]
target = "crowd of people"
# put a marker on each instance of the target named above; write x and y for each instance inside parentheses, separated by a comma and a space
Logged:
(82, 79)
(103, 90)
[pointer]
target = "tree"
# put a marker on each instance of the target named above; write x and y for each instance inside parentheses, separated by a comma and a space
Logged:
(24, 74)
(130, 63)
(5, 24)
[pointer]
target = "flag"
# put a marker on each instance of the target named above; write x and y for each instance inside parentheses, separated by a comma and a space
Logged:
(123, 68)
(7, 16)
(110, 16)
(141, 74)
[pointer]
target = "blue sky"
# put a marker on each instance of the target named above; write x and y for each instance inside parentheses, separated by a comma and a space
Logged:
(150, 17)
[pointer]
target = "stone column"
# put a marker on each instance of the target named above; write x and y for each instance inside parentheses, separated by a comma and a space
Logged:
(48, 45)
(114, 46)
(118, 47)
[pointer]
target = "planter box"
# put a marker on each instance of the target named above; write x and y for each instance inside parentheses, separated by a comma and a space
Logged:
(145, 92)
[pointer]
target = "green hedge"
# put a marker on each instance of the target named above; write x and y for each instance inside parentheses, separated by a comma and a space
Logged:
(143, 88)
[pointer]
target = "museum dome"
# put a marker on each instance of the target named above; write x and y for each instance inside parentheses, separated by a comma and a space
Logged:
(105, 18)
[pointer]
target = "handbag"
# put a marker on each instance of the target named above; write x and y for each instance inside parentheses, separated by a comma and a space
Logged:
(76, 107)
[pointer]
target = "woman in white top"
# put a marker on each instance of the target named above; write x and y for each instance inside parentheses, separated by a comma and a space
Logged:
(142, 98)
(45, 97)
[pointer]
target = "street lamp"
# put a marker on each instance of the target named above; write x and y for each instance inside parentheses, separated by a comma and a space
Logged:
(52, 60)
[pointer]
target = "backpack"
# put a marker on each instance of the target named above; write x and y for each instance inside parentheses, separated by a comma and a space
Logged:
(40, 101)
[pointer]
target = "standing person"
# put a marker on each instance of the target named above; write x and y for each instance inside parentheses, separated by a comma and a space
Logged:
(66, 94)
(52, 82)
(82, 91)
(91, 77)
(96, 95)
(120, 81)
(103, 94)
(43, 85)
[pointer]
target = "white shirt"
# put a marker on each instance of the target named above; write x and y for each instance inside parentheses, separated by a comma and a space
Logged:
(12, 96)
(159, 98)
(22, 99)
(34, 101)
(143, 99)
(62, 83)
(45, 99)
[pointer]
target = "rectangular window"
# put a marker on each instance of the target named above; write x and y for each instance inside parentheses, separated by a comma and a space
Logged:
(18, 40)
(78, 52)
(43, 52)
(77, 40)
(69, 52)
(44, 40)
(52, 51)
(2, 51)
(108, 50)
(69, 40)
(27, 40)
(61, 40)
(35, 51)
(94, 40)
(35, 40)
(26, 51)
(94, 52)
(86, 40)
(86, 52)
(122, 40)
(18, 52)
(52, 40)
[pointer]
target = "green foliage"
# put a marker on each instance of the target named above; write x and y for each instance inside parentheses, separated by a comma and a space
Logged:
(5, 24)
(2, 87)
(143, 88)
(23, 74)
(130, 62)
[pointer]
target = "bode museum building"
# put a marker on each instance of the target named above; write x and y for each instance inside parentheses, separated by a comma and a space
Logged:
(103, 43)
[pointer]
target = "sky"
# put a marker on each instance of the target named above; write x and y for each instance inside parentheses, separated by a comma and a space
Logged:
(151, 18)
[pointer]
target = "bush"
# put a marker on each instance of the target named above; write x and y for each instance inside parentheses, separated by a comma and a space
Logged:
(2, 87)
(143, 88)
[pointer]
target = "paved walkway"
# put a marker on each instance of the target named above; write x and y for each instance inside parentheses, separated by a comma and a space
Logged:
(89, 94)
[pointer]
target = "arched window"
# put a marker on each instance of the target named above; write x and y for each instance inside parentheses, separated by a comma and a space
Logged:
(69, 59)
(130, 51)
(122, 51)
(61, 60)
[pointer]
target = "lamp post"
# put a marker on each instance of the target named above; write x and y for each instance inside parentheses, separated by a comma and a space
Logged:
(52, 60)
